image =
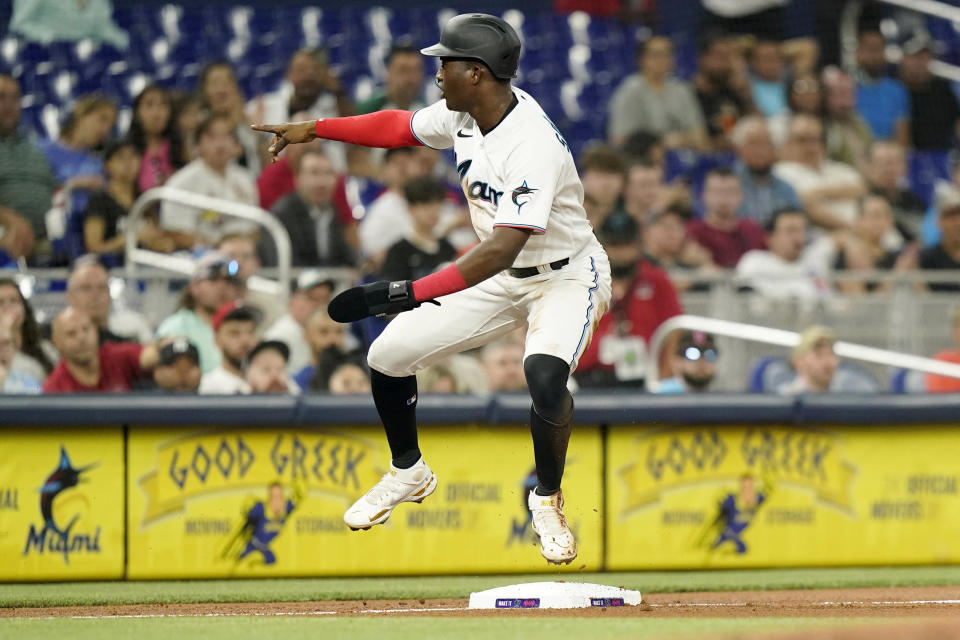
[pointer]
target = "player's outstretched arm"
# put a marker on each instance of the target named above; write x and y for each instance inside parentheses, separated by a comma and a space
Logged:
(287, 133)
(487, 259)
(387, 129)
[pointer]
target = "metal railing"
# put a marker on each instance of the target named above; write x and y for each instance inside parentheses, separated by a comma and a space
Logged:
(782, 338)
(929, 7)
(849, 27)
(183, 265)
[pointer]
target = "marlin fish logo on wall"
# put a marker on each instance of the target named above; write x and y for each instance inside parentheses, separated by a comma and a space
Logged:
(54, 538)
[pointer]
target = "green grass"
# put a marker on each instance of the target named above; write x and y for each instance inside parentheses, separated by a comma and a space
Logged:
(379, 628)
(307, 589)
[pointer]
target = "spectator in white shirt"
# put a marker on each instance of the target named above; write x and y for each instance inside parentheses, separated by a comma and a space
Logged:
(387, 220)
(829, 190)
(215, 173)
(235, 328)
(789, 268)
(313, 290)
(309, 85)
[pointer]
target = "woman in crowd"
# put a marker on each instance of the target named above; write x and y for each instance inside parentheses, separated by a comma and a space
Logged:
(220, 94)
(77, 165)
(186, 111)
(153, 131)
(106, 214)
(805, 95)
(34, 357)
(73, 156)
(863, 248)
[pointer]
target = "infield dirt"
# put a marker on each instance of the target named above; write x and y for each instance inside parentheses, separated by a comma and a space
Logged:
(900, 602)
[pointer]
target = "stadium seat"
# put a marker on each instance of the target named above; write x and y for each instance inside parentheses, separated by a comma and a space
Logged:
(925, 168)
(7, 261)
(908, 381)
(74, 243)
(171, 42)
(945, 32)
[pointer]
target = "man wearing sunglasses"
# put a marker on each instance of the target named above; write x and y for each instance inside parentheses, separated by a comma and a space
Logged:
(694, 364)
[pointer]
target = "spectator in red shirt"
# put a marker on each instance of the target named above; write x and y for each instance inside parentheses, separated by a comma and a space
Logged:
(86, 366)
(642, 299)
(943, 384)
(721, 231)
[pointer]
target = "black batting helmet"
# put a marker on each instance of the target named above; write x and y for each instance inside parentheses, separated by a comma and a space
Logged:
(481, 37)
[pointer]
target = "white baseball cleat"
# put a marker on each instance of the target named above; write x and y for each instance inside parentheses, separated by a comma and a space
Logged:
(397, 486)
(557, 543)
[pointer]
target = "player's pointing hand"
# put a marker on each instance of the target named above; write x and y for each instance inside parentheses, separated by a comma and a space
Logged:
(287, 133)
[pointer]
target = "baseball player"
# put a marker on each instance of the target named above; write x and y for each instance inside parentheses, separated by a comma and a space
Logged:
(538, 265)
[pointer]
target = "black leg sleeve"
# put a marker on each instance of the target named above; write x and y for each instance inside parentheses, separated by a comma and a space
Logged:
(550, 418)
(396, 400)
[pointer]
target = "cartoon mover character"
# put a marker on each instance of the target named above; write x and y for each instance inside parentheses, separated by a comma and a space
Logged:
(735, 513)
(263, 522)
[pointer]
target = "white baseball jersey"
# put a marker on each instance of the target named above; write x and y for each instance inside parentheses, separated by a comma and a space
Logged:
(520, 174)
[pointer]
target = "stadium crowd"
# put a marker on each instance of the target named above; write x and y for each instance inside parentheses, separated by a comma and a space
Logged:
(799, 172)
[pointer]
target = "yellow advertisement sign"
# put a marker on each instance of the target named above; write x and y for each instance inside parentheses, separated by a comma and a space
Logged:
(704, 496)
(61, 504)
(255, 502)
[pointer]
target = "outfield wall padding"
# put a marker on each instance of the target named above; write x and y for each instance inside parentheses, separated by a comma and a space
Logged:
(150, 486)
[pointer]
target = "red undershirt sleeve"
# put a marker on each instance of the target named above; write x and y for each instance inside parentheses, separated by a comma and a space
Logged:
(442, 283)
(386, 129)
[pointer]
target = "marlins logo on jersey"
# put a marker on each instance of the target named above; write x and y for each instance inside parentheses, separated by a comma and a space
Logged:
(522, 195)
(518, 174)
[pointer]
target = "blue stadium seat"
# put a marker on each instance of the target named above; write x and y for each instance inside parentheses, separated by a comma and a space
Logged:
(679, 163)
(685, 52)
(768, 374)
(33, 54)
(192, 34)
(925, 168)
(946, 33)
(74, 243)
(908, 381)
(704, 164)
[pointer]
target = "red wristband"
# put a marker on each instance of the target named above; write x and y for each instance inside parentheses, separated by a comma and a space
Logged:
(442, 283)
(386, 129)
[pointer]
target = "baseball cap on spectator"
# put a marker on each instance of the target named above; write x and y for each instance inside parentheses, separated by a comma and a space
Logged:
(313, 278)
(813, 337)
(179, 347)
(694, 345)
(216, 265)
(235, 310)
(618, 229)
(922, 42)
(947, 197)
(277, 345)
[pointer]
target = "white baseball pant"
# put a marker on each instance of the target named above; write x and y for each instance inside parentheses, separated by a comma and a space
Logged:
(561, 310)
